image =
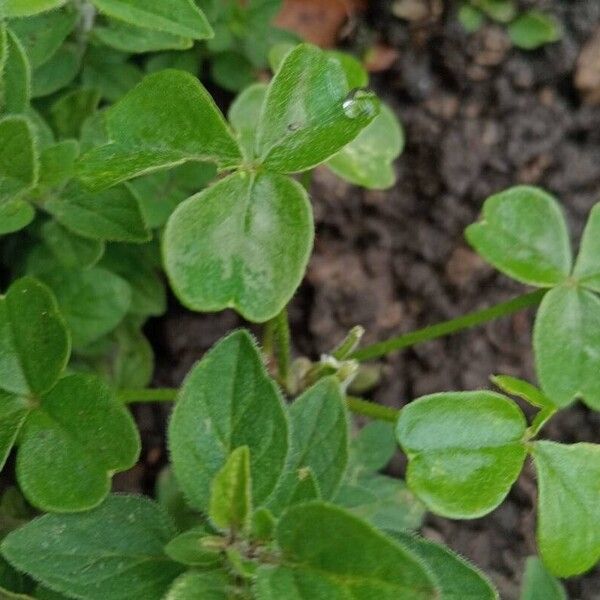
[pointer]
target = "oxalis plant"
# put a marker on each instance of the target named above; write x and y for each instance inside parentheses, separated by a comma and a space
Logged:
(271, 492)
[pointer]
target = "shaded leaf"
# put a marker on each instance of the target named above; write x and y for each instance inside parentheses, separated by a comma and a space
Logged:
(539, 584)
(137, 40)
(42, 35)
(15, 85)
(113, 215)
(93, 301)
(385, 502)
(70, 111)
(34, 343)
(367, 160)
(58, 72)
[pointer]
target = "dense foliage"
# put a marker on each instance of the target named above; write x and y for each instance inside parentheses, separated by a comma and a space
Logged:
(116, 166)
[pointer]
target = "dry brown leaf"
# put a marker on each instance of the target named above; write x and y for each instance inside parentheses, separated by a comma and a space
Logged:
(317, 21)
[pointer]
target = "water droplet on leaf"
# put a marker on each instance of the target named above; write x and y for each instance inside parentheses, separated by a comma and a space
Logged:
(360, 103)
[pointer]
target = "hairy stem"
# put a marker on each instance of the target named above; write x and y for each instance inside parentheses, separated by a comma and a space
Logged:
(280, 331)
(378, 412)
(433, 332)
(355, 405)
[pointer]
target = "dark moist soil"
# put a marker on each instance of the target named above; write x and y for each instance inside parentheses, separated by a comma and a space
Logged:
(479, 117)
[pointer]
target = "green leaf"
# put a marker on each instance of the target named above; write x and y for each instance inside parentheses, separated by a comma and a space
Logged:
(231, 493)
(568, 508)
(15, 215)
(137, 40)
(58, 72)
(318, 562)
(26, 8)
(533, 29)
(113, 215)
(201, 585)
(523, 234)
(72, 444)
(92, 301)
(566, 341)
(470, 17)
(114, 551)
(166, 120)
(319, 435)
(244, 113)
(455, 577)
(184, 61)
(15, 87)
(367, 160)
(232, 71)
(522, 389)
(133, 359)
(587, 266)
(188, 549)
(112, 79)
(385, 502)
(14, 585)
(178, 17)
(69, 249)
(243, 243)
(135, 265)
(43, 34)
(373, 447)
(70, 111)
(19, 159)
(308, 114)
(13, 412)
(34, 343)
(539, 584)
(356, 74)
(462, 472)
(171, 498)
(502, 11)
(160, 193)
(57, 162)
(215, 414)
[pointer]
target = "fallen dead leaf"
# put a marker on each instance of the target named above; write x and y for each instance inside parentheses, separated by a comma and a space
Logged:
(380, 58)
(318, 21)
(587, 72)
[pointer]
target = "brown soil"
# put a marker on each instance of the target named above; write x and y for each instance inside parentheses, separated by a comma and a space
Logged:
(479, 117)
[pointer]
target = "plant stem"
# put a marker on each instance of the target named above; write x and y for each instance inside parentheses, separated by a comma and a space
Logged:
(438, 330)
(355, 405)
(280, 331)
(148, 395)
(379, 412)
